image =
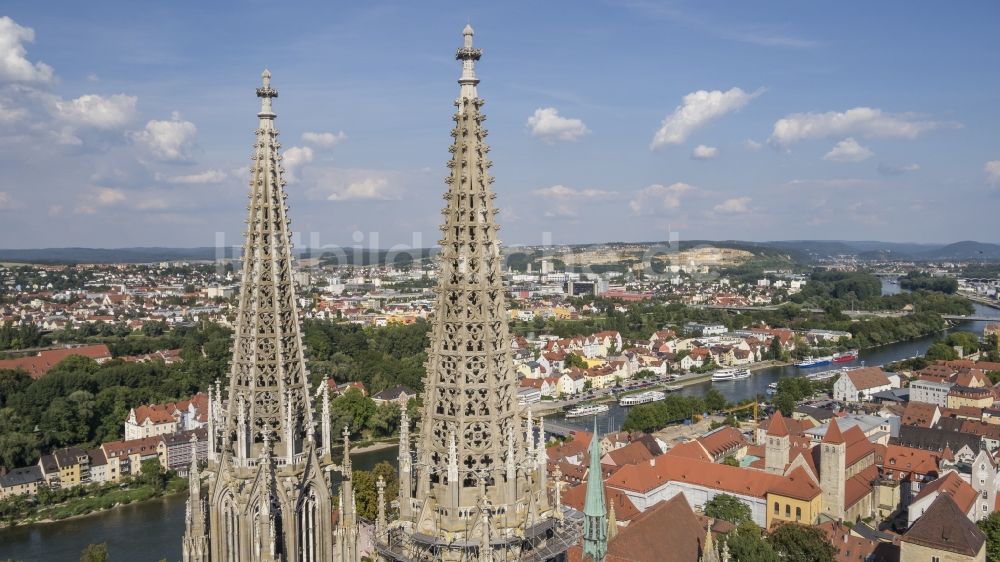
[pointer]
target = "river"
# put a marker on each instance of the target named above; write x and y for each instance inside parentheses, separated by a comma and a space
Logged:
(143, 532)
(151, 531)
(735, 391)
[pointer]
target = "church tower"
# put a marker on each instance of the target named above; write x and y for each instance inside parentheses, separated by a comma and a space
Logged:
(269, 492)
(777, 447)
(475, 487)
(832, 470)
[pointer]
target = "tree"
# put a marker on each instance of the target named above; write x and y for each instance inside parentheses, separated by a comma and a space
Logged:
(95, 553)
(802, 543)
(746, 544)
(574, 360)
(775, 350)
(352, 409)
(714, 400)
(154, 475)
(729, 508)
(366, 490)
(991, 527)
(940, 351)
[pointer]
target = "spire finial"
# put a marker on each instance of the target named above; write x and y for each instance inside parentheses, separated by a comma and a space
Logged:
(266, 93)
(468, 55)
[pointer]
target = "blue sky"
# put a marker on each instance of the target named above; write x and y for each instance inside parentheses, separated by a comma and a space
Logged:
(126, 123)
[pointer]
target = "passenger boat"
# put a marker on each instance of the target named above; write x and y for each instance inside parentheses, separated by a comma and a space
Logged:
(846, 356)
(730, 375)
(641, 398)
(810, 362)
(587, 410)
(772, 388)
(673, 387)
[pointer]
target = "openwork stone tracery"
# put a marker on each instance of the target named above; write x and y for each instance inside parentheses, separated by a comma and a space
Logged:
(268, 491)
(475, 488)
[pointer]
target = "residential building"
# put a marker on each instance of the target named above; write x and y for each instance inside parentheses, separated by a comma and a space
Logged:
(858, 385)
(943, 534)
(21, 481)
(930, 392)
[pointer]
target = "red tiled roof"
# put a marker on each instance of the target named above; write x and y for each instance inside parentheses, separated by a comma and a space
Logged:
(38, 365)
(777, 427)
(952, 484)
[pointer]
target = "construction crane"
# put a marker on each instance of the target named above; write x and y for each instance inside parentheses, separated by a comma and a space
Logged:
(754, 405)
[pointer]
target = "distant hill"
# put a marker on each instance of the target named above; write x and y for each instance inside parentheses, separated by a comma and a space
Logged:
(966, 250)
(802, 251)
(112, 255)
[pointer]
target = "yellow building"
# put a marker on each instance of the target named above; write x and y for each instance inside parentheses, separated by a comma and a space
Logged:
(968, 396)
(796, 498)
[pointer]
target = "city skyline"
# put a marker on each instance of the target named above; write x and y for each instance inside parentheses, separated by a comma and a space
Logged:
(612, 121)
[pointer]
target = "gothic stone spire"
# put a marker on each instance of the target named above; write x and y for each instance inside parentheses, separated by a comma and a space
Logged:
(470, 389)
(268, 387)
(269, 497)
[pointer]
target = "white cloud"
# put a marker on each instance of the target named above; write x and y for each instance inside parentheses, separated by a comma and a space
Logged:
(563, 200)
(891, 170)
(6, 203)
(96, 111)
(697, 110)
(99, 197)
(548, 125)
(9, 114)
(152, 204)
(992, 169)
(864, 122)
(702, 152)
(325, 140)
(848, 150)
(368, 188)
(208, 176)
(733, 206)
(171, 141)
(658, 197)
(293, 158)
(752, 145)
(14, 65)
(561, 191)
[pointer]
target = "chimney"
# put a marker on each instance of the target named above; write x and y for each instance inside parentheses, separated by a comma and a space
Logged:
(652, 461)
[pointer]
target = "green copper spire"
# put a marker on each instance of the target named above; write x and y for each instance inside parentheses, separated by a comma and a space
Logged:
(595, 511)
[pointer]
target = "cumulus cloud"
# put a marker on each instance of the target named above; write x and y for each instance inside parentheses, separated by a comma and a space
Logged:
(367, 188)
(848, 150)
(99, 197)
(892, 170)
(698, 109)
(992, 169)
(325, 140)
(96, 111)
(733, 206)
(6, 202)
(563, 192)
(9, 114)
(293, 158)
(14, 64)
(563, 200)
(548, 125)
(208, 176)
(170, 141)
(658, 197)
(702, 152)
(752, 145)
(864, 122)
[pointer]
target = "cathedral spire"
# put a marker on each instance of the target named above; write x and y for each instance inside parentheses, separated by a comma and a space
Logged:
(473, 449)
(268, 498)
(269, 387)
(595, 523)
